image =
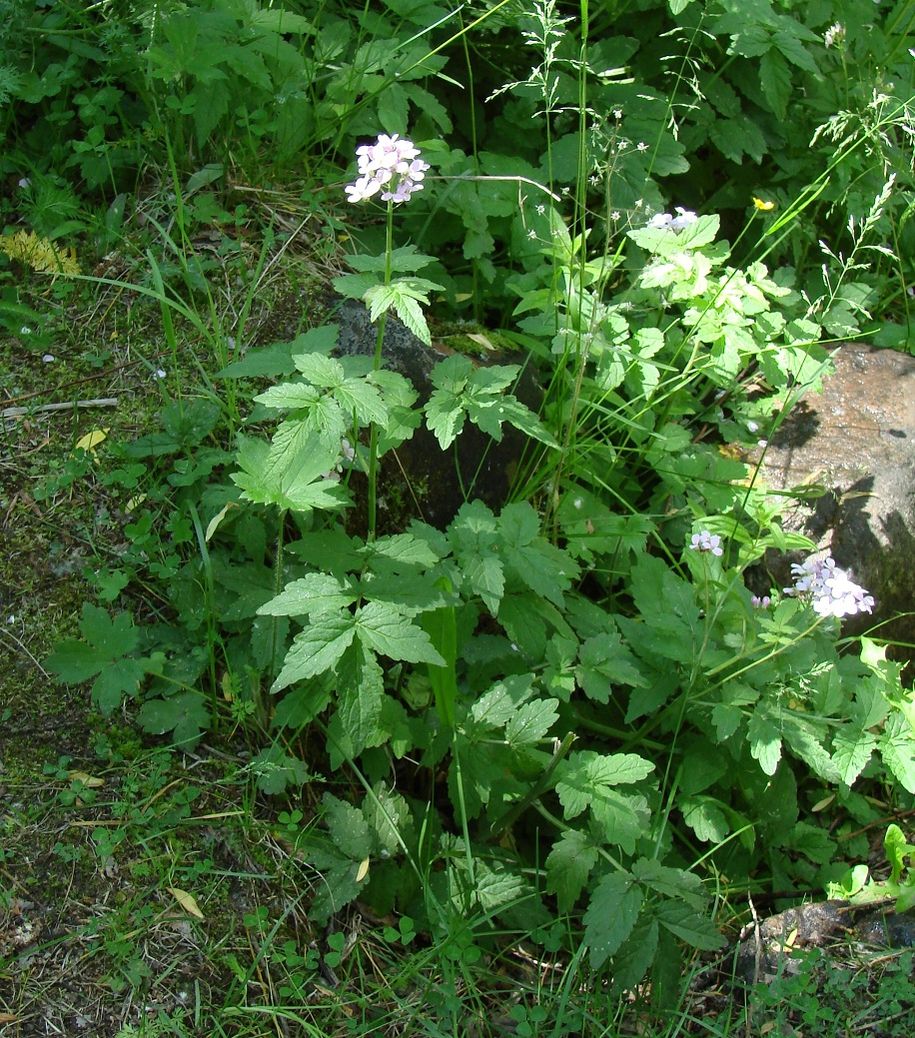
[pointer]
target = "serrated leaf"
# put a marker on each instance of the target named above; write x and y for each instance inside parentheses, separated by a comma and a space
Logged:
(348, 828)
(317, 648)
(705, 818)
(611, 916)
(184, 715)
(497, 707)
(632, 961)
(383, 628)
(568, 866)
(531, 723)
(497, 886)
(897, 748)
(312, 595)
(765, 741)
(275, 770)
(684, 922)
(445, 416)
(603, 662)
(586, 774)
(852, 748)
(360, 700)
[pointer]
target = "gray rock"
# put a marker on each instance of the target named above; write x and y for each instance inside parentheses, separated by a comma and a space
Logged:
(856, 439)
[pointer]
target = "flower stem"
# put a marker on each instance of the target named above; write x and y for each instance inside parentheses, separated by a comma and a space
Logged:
(372, 525)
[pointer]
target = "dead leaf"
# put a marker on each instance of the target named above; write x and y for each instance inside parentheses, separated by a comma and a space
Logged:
(89, 781)
(187, 901)
(92, 439)
(363, 870)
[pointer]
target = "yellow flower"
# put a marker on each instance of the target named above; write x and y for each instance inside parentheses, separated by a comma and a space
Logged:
(763, 207)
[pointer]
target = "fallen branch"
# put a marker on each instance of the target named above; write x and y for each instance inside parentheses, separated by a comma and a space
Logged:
(18, 412)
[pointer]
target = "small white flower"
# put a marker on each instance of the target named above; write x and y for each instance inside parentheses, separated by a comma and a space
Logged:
(705, 541)
(159, 374)
(829, 589)
(834, 34)
(541, 210)
(48, 358)
(641, 146)
(615, 215)
(617, 114)
(761, 603)
(532, 234)
(25, 330)
(683, 219)
(753, 426)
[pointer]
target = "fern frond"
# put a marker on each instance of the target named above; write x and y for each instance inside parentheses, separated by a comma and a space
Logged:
(40, 254)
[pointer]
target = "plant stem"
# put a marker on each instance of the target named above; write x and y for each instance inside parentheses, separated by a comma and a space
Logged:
(379, 343)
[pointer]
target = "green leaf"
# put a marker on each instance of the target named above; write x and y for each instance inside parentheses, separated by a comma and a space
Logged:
(687, 924)
(360, 701)
(586, 775)
(118, 679)
(531, 723)
(568, 866)
(317, 648)
(775, 81)
(852, 748)
(311, 595)
(385, 629)
(897, 747)
(603, 662)
(275, 770)
(611, 916)
(631, 962)
(765, 740)
(497, 886)
(705, 818)
(896, 848)
(496, 708)
(348, 828)
(444, 417)
(544, 568)
(185, 715)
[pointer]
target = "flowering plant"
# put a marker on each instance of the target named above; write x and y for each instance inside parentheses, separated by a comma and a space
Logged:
(829, 589)
(392, 166)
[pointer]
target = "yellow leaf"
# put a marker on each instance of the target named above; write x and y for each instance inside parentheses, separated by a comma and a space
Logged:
(762, 206)
(92, 439)
(135, 502)
(363, 870)
(187, 901)
(821, 805)
(89, 781)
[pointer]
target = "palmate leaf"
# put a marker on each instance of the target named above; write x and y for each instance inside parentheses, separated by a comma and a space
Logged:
(611, 915)
(185, 715)
(103, 653)
(297, 483)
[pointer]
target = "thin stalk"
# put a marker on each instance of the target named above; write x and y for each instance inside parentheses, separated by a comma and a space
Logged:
(372, 525)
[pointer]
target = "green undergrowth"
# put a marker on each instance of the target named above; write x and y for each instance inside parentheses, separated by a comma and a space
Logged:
(334, 766)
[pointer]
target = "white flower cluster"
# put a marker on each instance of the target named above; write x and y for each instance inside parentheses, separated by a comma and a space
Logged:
(705, 541)
(666, 222)
(834, 34)
(829, 589)
(392, 166)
